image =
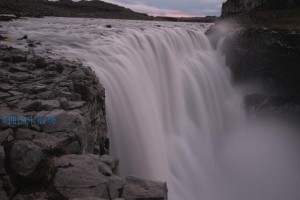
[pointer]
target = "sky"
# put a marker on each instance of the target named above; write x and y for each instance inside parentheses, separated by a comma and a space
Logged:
(173, 8)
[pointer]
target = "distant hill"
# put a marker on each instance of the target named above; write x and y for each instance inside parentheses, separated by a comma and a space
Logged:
(68, 8)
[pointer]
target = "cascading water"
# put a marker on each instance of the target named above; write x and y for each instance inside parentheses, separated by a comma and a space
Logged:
(173, 114)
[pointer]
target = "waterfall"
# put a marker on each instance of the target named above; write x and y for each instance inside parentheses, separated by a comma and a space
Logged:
(169, 99)
(173, 114)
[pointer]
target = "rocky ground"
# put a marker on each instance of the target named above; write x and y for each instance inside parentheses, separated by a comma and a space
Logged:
(53, 134)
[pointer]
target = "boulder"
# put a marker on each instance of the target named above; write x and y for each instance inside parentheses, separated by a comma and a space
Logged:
(136, 189)
(24, 157)
(78, 176)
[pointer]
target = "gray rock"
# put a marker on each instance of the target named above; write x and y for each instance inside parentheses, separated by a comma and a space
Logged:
(6, 135)
(76, 104)
(64, 103)
(15, 93)
(38, 105)
(20, 76)
(110, 161)
(136, 188)
(78, 176)
(48, 104)
(115, 185)
(65, 121)
(24, 157)
(46, 95)
(4, 95)
(104, 169)
(2, 158)
(5, 87)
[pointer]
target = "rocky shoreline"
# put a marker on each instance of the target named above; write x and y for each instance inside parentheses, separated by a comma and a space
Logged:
(53, 134)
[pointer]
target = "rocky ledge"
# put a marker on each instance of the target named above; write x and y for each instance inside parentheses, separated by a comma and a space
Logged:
(53, 134)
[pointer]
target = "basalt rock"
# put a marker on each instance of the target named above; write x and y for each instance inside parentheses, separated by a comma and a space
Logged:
(53, 133)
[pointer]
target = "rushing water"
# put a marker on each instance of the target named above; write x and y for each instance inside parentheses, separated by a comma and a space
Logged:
(173, 114)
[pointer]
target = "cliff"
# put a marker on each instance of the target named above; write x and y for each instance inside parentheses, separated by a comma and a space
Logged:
(233, 7)
(261, 40)
(53, 134)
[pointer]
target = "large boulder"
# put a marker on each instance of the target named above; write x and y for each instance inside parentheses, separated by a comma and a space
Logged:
(77, 176)
(24, 157)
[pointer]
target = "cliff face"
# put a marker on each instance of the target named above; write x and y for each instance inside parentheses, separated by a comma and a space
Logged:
(233, 7)
(53, 134)
(261, 45)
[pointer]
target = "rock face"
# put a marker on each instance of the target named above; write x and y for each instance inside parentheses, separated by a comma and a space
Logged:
(261, 42)
(233, 7)
(53, 133)
(269, 57)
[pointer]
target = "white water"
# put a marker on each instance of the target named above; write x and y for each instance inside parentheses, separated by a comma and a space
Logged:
(173, 114)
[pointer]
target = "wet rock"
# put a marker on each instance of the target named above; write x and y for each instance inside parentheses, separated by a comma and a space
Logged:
(24, 157)
(136, 188)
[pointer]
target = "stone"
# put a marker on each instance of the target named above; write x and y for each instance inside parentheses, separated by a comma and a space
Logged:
(42, 140)
(64, 103)
(46, 95)
(104, 169)
(5, 87)
(37, 105)
(15, 93)
(48, 104)
(2, 158)
(110, 161)
(20, 76)
(75, 104)
(6, 135)
(136, 188)
(115, 186)
(65, 121)
(4, 95)
(77, 176)
(24, 157)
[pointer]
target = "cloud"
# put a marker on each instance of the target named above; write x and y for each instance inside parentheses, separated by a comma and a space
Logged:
(179, 8)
